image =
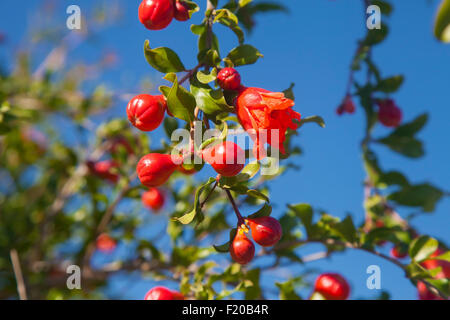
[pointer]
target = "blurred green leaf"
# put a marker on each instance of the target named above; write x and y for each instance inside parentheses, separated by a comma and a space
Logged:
(287, 291)
(390, 85)
(305, 212)
(422, 195)
(442, 22)
(422, 247)
(314, 119)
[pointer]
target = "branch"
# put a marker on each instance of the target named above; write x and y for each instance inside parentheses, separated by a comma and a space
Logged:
(106, 218)
(21, 289)
(190, 73)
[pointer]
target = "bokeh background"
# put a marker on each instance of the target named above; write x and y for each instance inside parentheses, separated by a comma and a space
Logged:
(312, 45)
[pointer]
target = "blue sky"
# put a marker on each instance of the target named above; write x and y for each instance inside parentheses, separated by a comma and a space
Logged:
(313, 47)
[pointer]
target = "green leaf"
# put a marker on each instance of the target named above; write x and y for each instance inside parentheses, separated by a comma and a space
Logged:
(206, 78)
(347, 229)
(390, 85)
(305, 212)
(385, 7)
(170, 125)
(442, 22)
(422, 195)
(163, 59)
(243, 55)
(265, 211)
(229, 19)
(392, 178)
(198, 29)
(257, 194)
(287, 291)
(411, 128)
(209, 57)
(210, 101)
(315, 119)
(406, 145)
(192, 6)
(225, 248)
(215, 140)
(243, 3)
(402, 138)
(317, 296)
(376, 36)
(196, 211)
(249, 171)
(371, 165)
(422, 247)
(203, 42)
(445, 256)
(180, 102)
(442, 284)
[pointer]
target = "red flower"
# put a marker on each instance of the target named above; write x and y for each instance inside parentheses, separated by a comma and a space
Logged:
(261, 113)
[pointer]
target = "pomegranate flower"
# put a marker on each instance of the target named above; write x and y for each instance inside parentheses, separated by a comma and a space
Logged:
(263, 114)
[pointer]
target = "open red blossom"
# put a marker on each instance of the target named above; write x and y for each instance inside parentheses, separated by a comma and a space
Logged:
(263, 114)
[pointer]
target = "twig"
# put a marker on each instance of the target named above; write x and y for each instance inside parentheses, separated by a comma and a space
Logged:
(190, 73)
(236, 209)
(209, 194)
(104, 222)
(21, 289)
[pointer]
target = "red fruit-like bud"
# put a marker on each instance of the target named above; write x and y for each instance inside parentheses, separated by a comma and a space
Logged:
(389, 114)
(425, 294)
(121, 143)
(229, 79)
(163, 293)
(398, 252)
(181, 11)
(156, 14)
(242, 250)
(105, 243)
(332, 286)
(266, 231)
(146, 112)
(227, 158)
(104, 170)
(348, 105)
(153, 198)
(154, 169)
(340, 110)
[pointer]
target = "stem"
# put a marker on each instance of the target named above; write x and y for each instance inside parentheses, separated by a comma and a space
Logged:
(236, 209)
(190, 73)
(21, 289)
(209, 194)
